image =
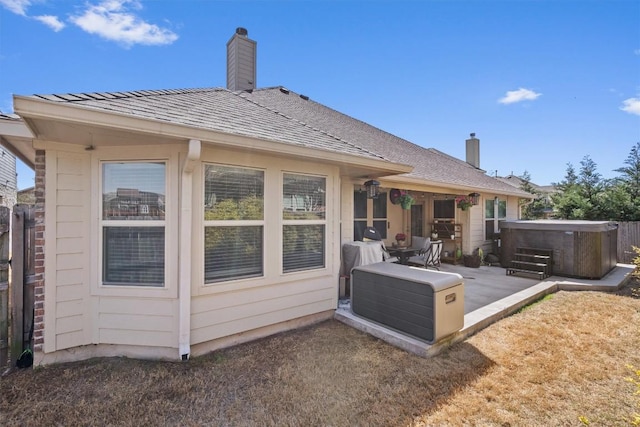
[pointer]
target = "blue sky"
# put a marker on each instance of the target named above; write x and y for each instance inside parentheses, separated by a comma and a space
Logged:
(541, 83)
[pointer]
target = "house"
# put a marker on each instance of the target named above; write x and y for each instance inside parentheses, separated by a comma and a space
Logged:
(8, 176)
(543, 192)
(171, 223)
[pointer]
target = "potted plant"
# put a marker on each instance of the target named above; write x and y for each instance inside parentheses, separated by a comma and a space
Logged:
(401, 238)
(406, 200)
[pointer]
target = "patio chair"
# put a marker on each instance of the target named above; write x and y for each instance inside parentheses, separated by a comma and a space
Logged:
(422, 245)
(430, 257)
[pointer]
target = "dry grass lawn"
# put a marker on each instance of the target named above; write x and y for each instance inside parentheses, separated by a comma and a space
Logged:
(555, 361)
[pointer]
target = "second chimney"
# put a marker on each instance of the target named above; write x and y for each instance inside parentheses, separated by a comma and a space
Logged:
(473, 151)
(241, 61)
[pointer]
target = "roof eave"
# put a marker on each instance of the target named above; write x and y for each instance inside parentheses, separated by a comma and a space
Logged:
(16, 137)
(36, 112)
(420, 184)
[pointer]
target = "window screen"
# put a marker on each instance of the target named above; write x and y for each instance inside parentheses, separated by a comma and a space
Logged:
(133, 227)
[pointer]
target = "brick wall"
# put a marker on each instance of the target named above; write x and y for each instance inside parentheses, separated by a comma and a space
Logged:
(38, 332)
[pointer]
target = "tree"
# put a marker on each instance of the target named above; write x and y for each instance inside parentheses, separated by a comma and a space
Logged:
(570, 179)
(629, 184)
(587, 196)
(568, 203)
(531, 209)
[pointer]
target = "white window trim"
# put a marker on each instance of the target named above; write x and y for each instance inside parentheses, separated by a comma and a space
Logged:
(115, 155)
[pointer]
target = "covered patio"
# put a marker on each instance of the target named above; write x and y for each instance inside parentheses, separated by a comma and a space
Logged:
(490, 295)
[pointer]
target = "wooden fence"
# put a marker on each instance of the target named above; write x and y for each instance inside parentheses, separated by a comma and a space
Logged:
(5, 216)
(628, 236)
(17, 278)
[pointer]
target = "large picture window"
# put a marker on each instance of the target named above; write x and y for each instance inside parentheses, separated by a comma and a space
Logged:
(233, 223)
(133, 223)
(304, 222)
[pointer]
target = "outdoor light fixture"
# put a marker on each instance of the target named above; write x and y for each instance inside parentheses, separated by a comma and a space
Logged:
(372, 187)
(474, 198)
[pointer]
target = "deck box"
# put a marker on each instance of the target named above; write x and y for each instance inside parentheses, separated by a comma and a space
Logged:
(428, 305)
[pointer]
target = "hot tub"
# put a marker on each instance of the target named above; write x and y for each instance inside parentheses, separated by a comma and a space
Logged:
(583, 249)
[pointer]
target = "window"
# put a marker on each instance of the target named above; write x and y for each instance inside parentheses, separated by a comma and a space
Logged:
(444, 209)
(233, 223)
(380, 214)
(133, 223)
(361, 214)
(304, 222)
(494, 211)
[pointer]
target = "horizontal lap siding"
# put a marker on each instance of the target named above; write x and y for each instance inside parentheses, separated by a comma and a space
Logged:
(136, 321)
(72, 317)
(219, 315)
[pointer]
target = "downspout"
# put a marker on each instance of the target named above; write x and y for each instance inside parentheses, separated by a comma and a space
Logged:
(184, 278)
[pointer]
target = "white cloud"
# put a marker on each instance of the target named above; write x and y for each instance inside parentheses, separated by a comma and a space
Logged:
(20, 7)
(51, 21)
(631, 106)
(519, 95)
(16, 6)
(112, 20)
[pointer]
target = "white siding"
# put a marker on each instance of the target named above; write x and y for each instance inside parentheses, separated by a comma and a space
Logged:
(66, 287)
(227, 308)
(136, 322)
(78, 311)
(8, 179)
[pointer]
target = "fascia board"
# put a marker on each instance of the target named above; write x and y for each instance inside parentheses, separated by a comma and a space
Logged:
(418, 184)
(15, 128)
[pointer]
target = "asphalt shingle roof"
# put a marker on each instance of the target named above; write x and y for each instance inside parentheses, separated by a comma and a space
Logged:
(281, 115)
(429, 164)
(213, 109)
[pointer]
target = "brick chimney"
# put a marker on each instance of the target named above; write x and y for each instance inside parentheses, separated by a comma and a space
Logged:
(473, 151)
(241, 61)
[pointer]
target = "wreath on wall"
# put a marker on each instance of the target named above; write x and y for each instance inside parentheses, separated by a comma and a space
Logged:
(394, 196)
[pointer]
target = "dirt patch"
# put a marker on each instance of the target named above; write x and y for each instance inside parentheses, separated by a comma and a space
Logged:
(558, 360)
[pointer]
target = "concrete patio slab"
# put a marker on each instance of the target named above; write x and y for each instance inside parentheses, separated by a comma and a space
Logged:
(490, 295)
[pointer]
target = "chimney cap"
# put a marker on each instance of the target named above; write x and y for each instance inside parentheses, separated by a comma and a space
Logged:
(472, 134)
(242, 31)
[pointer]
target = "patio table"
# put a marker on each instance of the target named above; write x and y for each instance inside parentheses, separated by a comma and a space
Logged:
(403, 254)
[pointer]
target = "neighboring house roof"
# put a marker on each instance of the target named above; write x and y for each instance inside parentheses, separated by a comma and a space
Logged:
(516, 181)
(279, 115)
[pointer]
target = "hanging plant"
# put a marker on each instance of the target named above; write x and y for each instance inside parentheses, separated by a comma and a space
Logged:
(463, 202)
(406, 200)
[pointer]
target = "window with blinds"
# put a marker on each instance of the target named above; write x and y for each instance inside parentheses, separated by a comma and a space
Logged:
(233, 223)
(304, 222)
(133, 223)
